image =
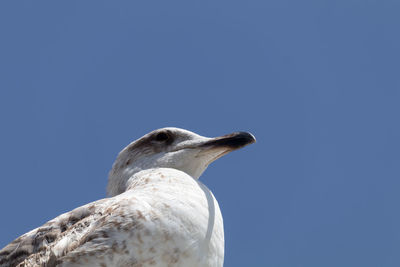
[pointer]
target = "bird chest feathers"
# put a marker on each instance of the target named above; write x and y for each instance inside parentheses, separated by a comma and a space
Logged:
(182, 215)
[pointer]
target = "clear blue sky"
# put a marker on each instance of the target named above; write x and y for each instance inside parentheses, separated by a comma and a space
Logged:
(317, 82)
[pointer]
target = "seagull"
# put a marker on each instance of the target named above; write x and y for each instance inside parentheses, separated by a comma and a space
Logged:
(157, 212)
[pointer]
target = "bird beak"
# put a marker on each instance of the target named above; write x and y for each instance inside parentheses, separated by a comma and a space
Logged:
(214, 148)
(231, 141)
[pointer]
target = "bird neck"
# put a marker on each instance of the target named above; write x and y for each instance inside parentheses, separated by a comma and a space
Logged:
(118, 178)
(160, 179)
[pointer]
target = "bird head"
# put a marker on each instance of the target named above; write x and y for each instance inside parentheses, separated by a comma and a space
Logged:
(172, 148)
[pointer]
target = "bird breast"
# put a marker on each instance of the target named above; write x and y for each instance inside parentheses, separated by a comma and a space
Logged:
(181, 214)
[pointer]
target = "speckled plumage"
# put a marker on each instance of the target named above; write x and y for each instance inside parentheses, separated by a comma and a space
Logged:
(162, 217)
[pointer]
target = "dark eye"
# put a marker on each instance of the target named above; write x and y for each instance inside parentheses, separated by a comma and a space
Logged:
(162, 137)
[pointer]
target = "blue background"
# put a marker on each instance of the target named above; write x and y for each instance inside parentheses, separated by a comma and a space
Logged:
(317, 82)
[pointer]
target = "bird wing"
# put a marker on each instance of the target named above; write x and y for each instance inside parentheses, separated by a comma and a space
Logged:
(84, 230)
